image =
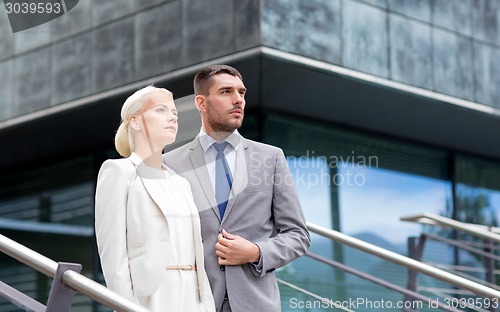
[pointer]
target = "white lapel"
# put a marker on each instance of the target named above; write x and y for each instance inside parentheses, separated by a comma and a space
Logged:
(151, 179)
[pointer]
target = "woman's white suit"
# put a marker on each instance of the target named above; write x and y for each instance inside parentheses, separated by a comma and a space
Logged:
(132, 212)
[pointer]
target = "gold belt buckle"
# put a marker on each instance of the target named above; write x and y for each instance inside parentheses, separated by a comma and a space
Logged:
(188, 267)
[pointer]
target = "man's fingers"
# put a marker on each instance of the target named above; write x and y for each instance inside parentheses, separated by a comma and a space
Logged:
(220, 237)
(220, 247)
(222, 242)
(220, 254)
(228, 235)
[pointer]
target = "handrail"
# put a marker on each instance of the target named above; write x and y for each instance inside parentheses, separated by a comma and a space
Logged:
(46, 228)
(378, 281)
(404, 261)
(309, 293)
(462, 245)
(70, 278)
(474, 229)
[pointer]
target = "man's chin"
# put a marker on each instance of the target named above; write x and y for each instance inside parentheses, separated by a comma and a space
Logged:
(237, 123)
(229, 126)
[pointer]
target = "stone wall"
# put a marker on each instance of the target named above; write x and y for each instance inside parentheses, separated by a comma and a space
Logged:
(451, 47)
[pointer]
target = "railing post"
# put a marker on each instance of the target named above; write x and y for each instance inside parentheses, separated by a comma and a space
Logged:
(415, 252)
(489, 264)
(61, 296)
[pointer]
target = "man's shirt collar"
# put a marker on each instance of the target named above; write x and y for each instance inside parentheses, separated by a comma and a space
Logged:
(206, 141)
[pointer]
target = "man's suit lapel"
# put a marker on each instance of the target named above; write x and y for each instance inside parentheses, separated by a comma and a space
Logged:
(240, 177)
(197, 158)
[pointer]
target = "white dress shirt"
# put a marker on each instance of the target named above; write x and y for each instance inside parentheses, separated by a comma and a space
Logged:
(210, 152)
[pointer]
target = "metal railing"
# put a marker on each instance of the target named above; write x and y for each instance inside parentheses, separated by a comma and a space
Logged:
(408, 293)
(329, 301)
(410, 263)
(482, 231)
(486, 250)
(70, 278)
(487, 253)
(103, 295)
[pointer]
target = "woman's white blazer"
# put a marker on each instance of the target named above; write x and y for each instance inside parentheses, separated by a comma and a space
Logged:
(132, 227)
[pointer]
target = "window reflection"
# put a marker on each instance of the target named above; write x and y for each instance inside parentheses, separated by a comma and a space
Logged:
(372, 209)
(360, 185)
(370, 202)
(312, 181)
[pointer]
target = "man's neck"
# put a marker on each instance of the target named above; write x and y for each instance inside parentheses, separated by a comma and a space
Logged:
(217, 135)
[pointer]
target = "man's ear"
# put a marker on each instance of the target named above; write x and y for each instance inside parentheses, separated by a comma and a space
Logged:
(201, 103)
(134, 123)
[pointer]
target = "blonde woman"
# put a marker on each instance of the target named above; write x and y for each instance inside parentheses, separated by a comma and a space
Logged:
(147, 225)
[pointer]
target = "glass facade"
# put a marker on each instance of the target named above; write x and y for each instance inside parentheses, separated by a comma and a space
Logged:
(477, 201)
(361, 184)
(352, 181)
(56, 202)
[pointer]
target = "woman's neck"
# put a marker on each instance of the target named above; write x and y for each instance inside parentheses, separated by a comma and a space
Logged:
(153, 160)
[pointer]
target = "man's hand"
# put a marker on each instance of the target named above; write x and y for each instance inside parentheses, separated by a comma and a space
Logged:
(235, 250)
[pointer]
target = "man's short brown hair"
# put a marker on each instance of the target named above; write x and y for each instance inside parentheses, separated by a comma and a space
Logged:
(203, 79)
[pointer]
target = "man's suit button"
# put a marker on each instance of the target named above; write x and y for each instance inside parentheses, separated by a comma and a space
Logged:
(222, 267)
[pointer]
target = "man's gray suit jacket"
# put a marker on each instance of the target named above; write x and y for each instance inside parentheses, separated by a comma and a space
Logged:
(263, 208)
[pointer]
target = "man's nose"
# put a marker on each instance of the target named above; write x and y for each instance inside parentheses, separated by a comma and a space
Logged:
(238, 98)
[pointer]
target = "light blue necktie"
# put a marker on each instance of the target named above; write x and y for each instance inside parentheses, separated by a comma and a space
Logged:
(223, 179)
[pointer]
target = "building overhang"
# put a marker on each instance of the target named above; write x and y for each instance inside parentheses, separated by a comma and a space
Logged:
(277, 81)
(322, 91)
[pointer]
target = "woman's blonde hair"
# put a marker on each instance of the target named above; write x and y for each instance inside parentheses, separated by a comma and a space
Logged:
(124, 138)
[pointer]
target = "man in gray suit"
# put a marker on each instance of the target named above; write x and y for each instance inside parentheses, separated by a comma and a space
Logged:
(251, 218)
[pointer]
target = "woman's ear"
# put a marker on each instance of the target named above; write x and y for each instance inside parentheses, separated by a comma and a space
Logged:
(134, 123)
(200, 102)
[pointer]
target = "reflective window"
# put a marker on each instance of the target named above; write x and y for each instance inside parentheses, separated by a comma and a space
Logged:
(360, 185)
(49, 209)
(477, 201)
(372, 209)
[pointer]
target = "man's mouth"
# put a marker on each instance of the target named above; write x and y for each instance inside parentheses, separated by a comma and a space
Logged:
(236, 112)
